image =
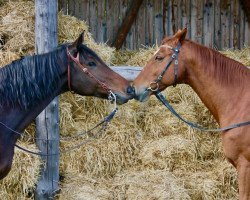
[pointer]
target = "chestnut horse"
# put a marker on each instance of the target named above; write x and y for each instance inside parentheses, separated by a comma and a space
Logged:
(28, 85)
(222, 84)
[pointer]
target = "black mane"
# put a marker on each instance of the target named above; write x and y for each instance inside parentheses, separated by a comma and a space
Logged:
(27, 81)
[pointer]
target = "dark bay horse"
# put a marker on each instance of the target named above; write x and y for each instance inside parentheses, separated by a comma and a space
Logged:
(28, 85)
(222, 84)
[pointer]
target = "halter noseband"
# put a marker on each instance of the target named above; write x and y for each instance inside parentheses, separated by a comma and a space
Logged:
(154, 86)
(111, 96)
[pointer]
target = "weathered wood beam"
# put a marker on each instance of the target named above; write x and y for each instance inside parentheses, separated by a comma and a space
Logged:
(246, 7)
(47, 122)
(128, 72)
(127, 23)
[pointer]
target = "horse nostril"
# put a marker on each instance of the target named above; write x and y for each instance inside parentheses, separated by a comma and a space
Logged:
(130, 90)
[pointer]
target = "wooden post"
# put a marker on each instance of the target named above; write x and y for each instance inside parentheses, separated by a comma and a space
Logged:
(47, 121)
(127, 23)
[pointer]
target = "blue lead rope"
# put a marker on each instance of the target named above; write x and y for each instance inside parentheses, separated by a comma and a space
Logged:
(165, 102)
(103, 122)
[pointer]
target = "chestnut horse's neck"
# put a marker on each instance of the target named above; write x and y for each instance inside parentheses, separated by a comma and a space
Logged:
(221, 83)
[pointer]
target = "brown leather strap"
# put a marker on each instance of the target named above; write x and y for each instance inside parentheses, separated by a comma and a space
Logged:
(85, 70)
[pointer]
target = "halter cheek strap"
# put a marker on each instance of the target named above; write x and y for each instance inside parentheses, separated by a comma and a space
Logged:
(154, 86)
(69, 77)
(85, 70)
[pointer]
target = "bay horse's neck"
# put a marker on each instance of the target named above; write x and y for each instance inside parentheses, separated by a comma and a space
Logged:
(38, 85)
(220, 82)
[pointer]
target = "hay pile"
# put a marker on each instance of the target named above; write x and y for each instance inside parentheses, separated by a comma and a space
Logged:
(145, 153)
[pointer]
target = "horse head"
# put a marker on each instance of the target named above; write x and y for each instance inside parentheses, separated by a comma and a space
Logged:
(165, 68)
(88, 75)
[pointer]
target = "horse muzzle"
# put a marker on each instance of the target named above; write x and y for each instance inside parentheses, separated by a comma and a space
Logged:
(122, 98)
(142, 95)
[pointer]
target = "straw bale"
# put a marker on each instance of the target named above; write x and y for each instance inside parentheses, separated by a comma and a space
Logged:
(81, 187)
(168, 152)
(218, 180)
(141, 185)
(6, 57)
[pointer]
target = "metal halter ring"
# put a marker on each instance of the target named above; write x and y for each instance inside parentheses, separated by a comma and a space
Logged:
(153, 85)
(112, 97)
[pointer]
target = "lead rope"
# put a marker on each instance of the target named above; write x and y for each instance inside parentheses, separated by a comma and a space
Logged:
(104, 123)
(164, 101)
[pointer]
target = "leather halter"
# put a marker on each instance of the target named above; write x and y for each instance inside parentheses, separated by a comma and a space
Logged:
(85, 70)
(154, 86)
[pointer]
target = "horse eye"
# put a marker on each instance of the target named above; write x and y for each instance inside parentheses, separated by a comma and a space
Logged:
(159, 58)
(92, 64)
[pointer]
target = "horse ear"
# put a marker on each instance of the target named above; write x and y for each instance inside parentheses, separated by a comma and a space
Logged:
(181, 34)
(76, 44)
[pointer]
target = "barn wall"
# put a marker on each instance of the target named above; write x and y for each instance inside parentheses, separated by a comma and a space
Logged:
(215, 23)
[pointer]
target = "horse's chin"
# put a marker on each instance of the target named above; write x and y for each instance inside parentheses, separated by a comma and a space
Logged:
(121, 99)
(143, 97)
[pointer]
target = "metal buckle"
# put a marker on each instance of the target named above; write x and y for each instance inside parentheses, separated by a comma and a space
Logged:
(112, 97)
(151, 86)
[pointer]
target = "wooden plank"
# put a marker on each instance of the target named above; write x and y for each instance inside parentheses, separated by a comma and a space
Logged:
(199, 22)
(193, 19)
(236, 25)
(164, 17)
(133, 37)
(130, 36)
(158, 21)
(101, 22)
(62, 6)
(175, 13)
(47, 122)
(140, 24)
(247, 35)
(124, 5)
(179, 16)
(185, 9)
(231, 23)
(217, 25)
(71, 7)
(109, 20)
(115, 19)
(171, 17)
(77, 8)
(225, 12)
(242, 27)
(149, 25)
(84, 10)
(93, 18)
(208, 25)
